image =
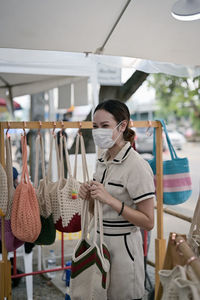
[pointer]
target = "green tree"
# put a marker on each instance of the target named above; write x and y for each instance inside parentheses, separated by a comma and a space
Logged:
(177, 96)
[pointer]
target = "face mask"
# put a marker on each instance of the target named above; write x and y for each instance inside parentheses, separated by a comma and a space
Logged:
(103, 137)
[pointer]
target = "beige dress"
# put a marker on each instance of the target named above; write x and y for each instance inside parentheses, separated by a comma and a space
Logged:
(127, 178)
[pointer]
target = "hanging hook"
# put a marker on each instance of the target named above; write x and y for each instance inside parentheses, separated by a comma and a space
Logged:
(8, 129)
(80, 127)
(148, 133)
(24, 126)
(54, 127)
(40, 126)
(62, 128)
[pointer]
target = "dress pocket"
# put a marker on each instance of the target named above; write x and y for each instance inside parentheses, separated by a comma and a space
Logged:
(127, 246)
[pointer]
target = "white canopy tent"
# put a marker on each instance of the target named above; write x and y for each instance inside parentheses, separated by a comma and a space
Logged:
(132, 28)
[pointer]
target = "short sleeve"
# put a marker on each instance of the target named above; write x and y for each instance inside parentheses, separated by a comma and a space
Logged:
(140, 181)
(96, 175)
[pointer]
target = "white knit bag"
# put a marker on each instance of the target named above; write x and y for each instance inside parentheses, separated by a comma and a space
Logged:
(67, 194)
(42, 191)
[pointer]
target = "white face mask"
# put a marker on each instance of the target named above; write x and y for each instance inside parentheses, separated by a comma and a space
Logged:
(103, 137)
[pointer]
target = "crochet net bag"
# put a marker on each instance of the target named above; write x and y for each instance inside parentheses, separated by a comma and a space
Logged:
(67, 194)
(48, 231)
(25, 216)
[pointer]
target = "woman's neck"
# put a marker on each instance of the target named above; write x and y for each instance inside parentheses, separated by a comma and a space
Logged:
(112, 152)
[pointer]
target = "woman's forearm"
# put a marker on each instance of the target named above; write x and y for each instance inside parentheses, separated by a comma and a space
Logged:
(134, 216)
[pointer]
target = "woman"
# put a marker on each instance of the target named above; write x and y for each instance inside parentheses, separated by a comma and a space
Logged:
(123, 182)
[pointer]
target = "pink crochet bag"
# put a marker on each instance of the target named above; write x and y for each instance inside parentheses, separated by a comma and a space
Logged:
(25, 215)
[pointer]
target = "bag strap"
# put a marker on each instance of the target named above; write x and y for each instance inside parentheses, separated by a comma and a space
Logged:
(84, 161)
(170, 146)
(25, 174)
(39, 146)
(76, 155)
(9, 169)
(53, 142)
(67, 157)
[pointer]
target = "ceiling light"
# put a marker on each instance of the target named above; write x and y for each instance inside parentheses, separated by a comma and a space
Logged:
(186, 10)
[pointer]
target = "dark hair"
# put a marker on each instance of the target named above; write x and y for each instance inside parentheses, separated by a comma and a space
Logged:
(120, 112)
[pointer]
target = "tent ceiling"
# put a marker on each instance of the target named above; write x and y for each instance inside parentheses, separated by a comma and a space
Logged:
(24, 84)
(146, 29)
(20, 79)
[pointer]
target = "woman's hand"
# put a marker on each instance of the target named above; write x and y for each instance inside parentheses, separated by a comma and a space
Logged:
(98, 191)
(84, 191)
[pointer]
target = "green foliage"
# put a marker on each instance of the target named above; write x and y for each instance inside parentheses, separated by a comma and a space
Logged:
(177, 96)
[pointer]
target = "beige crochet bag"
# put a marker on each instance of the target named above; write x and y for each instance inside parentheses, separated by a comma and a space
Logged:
(67, 194)
(25, 216)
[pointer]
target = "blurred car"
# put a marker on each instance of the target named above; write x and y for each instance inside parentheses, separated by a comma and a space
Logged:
(144, 140)
(177, 139)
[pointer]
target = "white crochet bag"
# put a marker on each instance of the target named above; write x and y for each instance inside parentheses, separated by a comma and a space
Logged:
(67, 195)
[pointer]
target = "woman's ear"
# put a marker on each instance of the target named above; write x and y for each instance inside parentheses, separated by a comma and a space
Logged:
(123, 125)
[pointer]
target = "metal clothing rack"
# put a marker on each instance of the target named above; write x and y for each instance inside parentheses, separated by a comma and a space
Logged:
(160, 242)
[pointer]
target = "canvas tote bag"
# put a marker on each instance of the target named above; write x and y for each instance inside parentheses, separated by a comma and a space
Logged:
(11, 242)
(177, 185)
(25, 215)
(67, 194)
(48, 231)
(90, 261)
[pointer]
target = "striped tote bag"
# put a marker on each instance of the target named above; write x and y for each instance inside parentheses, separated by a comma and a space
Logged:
(177, 185)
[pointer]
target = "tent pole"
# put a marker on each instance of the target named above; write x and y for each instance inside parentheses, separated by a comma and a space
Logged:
(160, 243)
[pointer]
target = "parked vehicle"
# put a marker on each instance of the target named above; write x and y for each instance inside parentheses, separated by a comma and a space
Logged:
(144, 140)
(177, 139)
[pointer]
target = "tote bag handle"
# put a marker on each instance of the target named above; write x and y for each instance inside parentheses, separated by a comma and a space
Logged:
(80, 140)
(171, 148)
(85, 228)
(49, 170)
(25, 175)
(39, 144)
